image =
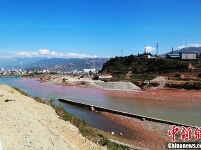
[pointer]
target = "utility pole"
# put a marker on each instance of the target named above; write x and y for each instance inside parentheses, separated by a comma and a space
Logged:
(122, 53)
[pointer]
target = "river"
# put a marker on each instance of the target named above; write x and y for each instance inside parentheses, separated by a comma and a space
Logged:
(101, 98)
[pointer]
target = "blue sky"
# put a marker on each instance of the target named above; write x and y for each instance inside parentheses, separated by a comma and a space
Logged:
(96, 28)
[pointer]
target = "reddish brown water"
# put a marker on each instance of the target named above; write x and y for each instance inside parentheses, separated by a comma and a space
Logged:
(108, 99)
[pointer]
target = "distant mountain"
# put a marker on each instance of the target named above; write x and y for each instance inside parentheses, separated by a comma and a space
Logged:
(186, 49)
(64, 64)
(18, 62)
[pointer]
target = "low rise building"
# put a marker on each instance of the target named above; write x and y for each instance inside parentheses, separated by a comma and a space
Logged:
(188, 56)
(105, 76)
(87, 71)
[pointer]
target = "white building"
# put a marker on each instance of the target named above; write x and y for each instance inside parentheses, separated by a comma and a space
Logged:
(188, 56)
(105, 76)
(93, 70)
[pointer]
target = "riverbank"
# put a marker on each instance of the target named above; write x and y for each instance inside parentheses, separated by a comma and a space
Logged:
(27, 124)
(141, 133)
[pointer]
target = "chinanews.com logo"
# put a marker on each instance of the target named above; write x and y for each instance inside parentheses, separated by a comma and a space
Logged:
(187, 133)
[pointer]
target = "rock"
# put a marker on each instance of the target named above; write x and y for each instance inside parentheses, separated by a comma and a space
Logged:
(92, 108)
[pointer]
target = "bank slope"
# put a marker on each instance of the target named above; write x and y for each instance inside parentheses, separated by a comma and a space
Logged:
(27, 124)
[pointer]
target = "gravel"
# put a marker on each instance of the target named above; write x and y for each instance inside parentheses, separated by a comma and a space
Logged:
(124, 86)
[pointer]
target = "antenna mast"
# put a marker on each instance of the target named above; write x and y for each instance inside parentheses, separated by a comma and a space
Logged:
(156, 49)
(145, 47)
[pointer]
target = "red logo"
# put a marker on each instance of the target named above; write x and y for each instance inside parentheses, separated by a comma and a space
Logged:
(186, 133)
(197, 133)
(173, 132)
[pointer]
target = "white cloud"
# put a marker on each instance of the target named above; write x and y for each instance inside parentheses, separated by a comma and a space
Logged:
(189, 45)
(149, 49)
(48, 53)
(181, 46)
(55, 54)
(27, 54)
(76, 55)
(6, 57)
(43, 52)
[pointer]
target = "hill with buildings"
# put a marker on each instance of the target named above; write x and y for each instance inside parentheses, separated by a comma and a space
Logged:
(120, 66)
(179, 73)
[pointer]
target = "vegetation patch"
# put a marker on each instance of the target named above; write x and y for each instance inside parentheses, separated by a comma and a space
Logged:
(186, 85)
(199, 75)
(20, 91)
(177, 74)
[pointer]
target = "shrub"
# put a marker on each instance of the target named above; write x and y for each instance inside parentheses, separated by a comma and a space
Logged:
(199, 75)
(20, 91)
(177, 74)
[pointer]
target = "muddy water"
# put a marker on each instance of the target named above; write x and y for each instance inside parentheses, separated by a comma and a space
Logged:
(106, 99)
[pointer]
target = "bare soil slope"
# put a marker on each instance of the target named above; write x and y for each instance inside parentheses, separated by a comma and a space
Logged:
(27, 124)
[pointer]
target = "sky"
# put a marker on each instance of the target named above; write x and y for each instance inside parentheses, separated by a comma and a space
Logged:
(96, 28)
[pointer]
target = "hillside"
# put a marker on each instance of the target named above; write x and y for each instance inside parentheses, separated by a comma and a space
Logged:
(122, 65)
(178, 74)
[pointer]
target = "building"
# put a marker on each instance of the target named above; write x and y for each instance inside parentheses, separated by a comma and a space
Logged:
(87, 71)
(188, 56)
(173, 56)
(105, 76)
(182, 55)
(146, 56)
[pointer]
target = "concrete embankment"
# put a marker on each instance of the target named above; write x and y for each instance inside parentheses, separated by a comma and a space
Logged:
(27, 124)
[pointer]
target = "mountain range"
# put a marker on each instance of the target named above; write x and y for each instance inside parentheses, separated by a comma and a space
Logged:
(68, 64)
(63, 64)
(186, 49)
(54, 64)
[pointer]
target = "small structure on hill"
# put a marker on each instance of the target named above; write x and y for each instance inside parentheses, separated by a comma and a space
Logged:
(182, 55)
(188, 56)
(88, 71)
(172, 55)
(146, 54)
(105, 76)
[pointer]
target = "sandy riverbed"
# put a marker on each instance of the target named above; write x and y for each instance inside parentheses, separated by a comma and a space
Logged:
(144, 134)
(27, 124)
